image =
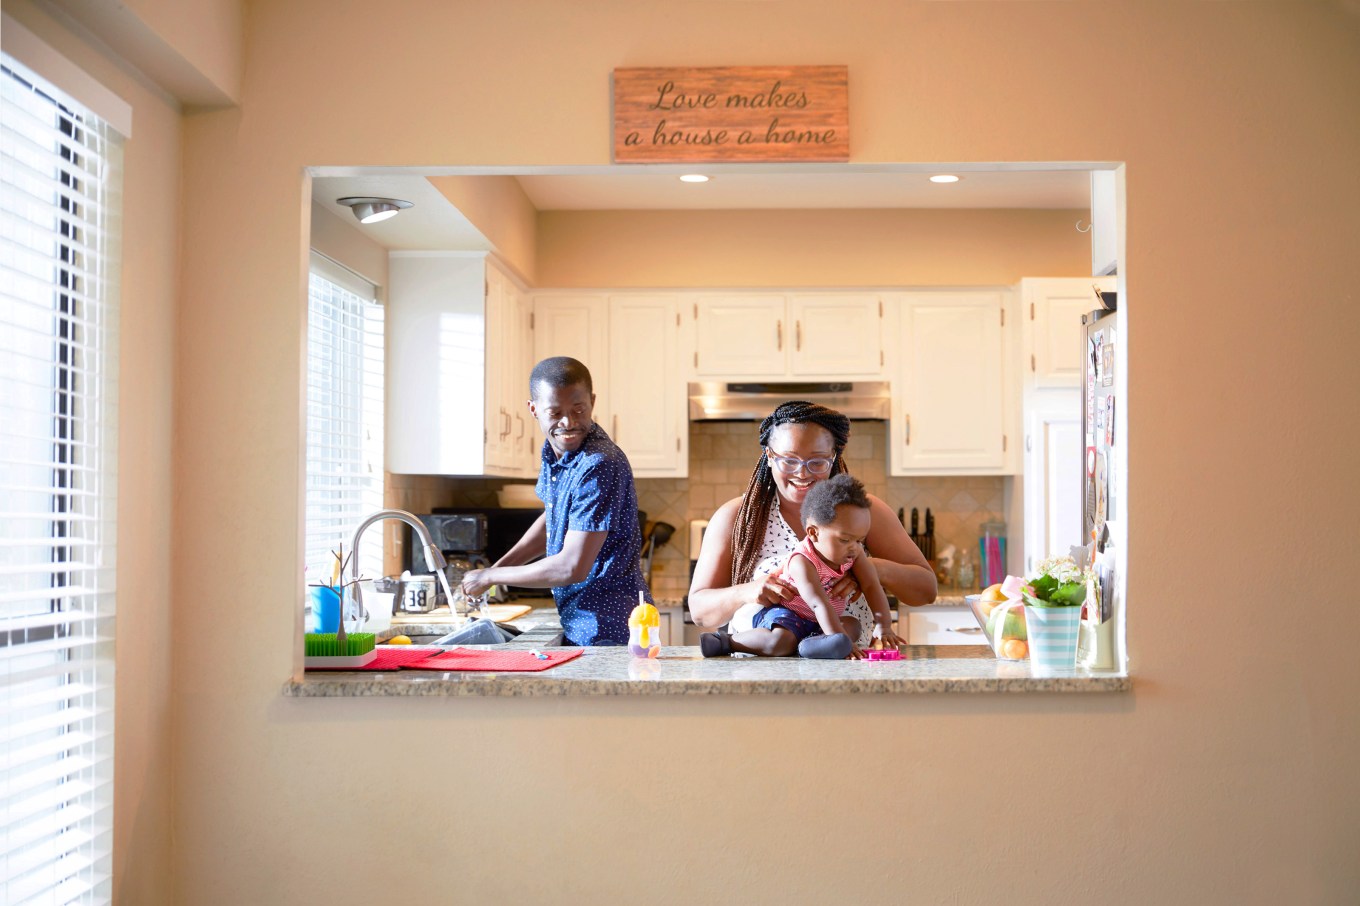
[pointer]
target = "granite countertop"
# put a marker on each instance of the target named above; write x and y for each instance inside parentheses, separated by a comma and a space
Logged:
(684, 671)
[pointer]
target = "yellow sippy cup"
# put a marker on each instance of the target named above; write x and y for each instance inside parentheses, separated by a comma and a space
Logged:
(644, 629)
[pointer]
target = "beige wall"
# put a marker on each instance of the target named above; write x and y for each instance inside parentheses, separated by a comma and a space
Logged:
(808, 248)
(499, 209)
(1225, 776)
(142, 755)
(342, 243)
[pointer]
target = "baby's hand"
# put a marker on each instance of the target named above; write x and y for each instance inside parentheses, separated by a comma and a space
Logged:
(890, 638)
(856, 653)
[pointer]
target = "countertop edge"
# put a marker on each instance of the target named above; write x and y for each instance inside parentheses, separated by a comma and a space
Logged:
(405, 684)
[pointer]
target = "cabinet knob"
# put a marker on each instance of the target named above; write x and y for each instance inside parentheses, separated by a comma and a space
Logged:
(779, 335)
(906, 428)
(797, 336)
(615, 432)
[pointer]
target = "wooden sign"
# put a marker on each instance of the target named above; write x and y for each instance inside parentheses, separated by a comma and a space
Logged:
(731, 113)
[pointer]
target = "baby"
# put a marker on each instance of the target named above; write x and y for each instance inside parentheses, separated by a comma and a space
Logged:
(836, 519)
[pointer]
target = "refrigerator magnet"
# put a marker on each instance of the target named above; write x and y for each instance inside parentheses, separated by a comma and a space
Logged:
(1109, 421)
(1107, 365)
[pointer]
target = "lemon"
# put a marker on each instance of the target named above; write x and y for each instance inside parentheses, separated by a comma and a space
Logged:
(992, 593)
(399, 640)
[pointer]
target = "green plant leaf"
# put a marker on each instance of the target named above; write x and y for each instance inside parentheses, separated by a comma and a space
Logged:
(1069, 595)
(1043, 587)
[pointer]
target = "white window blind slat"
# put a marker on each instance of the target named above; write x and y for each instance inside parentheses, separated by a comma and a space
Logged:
(59, 225)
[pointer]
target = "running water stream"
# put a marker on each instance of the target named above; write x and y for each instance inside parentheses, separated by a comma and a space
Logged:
(449, 596)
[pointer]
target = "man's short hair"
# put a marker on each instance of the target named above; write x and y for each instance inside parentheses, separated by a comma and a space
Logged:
(559, 371)
(819, 506)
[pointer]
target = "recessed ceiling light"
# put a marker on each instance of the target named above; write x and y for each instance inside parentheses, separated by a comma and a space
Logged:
(373, 210)
(694, 177)
(944, 177)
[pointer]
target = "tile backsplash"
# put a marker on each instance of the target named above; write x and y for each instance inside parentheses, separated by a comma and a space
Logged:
(721, 457)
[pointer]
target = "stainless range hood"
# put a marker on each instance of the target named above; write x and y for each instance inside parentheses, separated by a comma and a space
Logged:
(747, 400)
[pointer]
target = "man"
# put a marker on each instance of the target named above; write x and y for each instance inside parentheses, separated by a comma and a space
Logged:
(589, 527)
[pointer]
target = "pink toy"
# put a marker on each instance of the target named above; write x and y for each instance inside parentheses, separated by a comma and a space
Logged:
(887, 654)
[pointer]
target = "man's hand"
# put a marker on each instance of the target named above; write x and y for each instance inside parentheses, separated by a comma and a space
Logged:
(475, 582)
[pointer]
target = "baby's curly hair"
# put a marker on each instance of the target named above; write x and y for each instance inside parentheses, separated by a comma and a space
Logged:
(819, 506)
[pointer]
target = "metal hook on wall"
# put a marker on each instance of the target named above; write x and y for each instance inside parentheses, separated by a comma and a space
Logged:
(1088, 227)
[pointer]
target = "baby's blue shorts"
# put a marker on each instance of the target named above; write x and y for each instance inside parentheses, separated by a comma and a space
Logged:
(784, 618)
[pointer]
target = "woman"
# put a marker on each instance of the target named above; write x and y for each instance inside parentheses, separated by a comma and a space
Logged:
(749, 536)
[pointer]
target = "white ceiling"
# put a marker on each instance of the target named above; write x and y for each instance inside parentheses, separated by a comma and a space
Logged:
(434, 223)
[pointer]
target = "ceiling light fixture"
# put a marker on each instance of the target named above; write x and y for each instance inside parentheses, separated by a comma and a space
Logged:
(694, 177)
(944, 177)
(373, 210)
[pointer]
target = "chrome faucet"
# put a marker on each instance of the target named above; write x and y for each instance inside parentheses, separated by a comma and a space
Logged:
(433, 558)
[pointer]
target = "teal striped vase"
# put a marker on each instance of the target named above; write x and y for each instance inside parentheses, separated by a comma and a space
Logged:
(1052, 637)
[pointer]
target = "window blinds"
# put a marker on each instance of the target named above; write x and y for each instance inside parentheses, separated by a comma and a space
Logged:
(344, 417)
(59, 191)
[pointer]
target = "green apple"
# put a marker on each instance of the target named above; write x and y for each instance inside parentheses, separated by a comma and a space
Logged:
(1014, 627)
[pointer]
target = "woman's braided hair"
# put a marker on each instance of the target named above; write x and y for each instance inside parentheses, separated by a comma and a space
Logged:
(748, 532)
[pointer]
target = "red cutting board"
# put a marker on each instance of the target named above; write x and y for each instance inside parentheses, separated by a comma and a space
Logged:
(389, 658)
(492, 661)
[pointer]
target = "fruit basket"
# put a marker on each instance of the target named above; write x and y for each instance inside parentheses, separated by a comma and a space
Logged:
(1003, 625)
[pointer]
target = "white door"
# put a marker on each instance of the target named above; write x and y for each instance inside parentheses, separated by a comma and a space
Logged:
(836, 334)
(646, 398)
(1053, 469)
(947, 404)
(741, 336)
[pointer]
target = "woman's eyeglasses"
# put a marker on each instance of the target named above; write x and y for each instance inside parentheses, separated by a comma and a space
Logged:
(789, 465)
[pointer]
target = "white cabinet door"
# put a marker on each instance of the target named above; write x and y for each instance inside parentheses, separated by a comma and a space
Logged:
(836, 334)
(501, 348)
(575, 325)
(1053, 309)
(516, 391)
(741, 336)
(436, 366)
(947, 399)
(1053, 470)
(646, 396)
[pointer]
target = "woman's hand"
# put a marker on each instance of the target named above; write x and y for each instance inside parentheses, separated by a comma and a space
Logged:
(845, 588)
(774, 589)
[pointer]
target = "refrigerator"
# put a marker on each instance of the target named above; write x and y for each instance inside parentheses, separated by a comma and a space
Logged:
(1103, 449)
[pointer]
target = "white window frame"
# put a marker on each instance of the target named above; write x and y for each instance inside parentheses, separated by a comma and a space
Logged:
(60, 191)
(344, 415)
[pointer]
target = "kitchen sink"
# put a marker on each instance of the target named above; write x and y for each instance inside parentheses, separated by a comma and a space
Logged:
(548, 637)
